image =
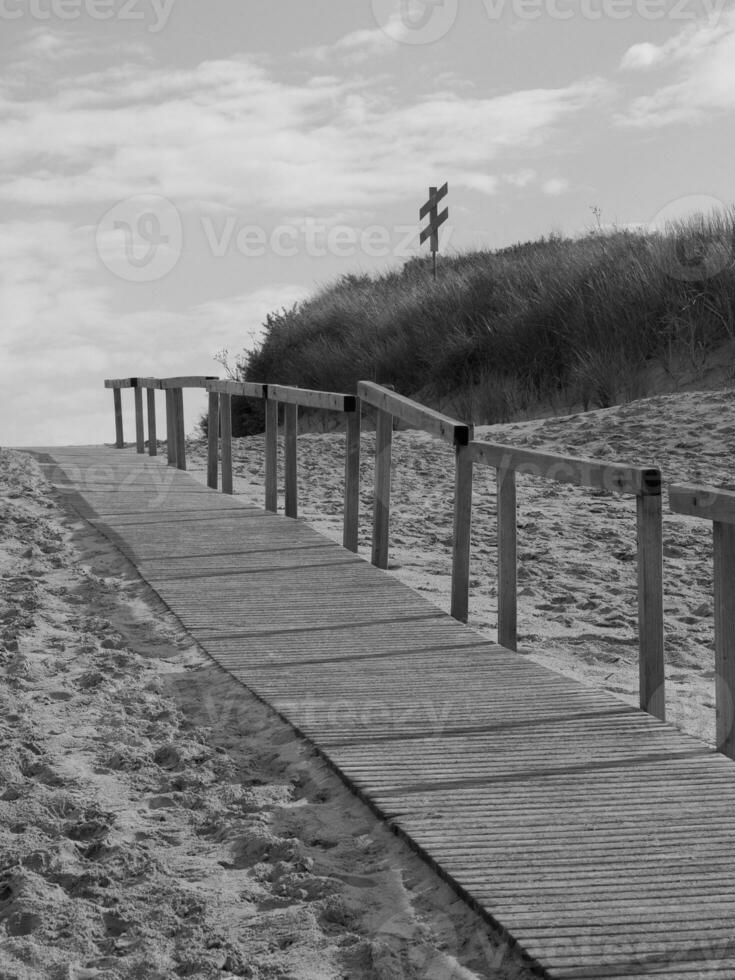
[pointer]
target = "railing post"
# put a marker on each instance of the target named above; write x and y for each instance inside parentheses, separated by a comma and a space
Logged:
(179, 434)
(139, 428)
(381, 495)
(461, 536)
(117, 402)
(170, 428)
(225, 412)
(151, 406)
(650, 602)
(212, 440)
(507, 571)
(290, 433)
(352, 480)
(271, 455)
(724, 577)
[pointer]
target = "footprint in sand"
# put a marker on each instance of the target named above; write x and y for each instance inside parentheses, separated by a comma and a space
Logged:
(60, 695)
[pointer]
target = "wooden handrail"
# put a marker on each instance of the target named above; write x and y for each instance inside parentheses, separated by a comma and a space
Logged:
(244, 389)
(151, 385)
(173, 387)
(219, 425)
(187, 381)
(175, 435)
(293, 399)
(219, 421)
(616, 477)
(718, 506)
(709, 503)
(414, 414)
(390, 405)
(329, 401)
(643, 482)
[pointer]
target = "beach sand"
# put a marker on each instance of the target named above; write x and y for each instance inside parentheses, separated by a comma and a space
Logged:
(157, 821)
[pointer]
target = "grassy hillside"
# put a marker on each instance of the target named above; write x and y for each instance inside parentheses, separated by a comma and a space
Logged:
(558, 321)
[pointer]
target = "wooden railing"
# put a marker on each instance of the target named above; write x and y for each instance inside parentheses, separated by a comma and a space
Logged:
(151, 385)
(293, 399)
(642, 482)
(718, 506)
(175, 436)
(117, 384)
(220, 407)
(219, 426)
(389, 405)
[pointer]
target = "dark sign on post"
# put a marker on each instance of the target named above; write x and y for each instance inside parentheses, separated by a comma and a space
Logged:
(435, 219)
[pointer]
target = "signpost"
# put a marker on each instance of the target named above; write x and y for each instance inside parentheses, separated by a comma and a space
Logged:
(435, 219)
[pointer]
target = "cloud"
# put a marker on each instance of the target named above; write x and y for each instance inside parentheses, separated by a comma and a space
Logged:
(359, 45)
(229, 132)
(43, 52)
(354, 47)
(521, 178)
(484, 183)
(225, 137)
(555, 186)
(690, 44)
(62, 335)
(641, 56)
(704, 57)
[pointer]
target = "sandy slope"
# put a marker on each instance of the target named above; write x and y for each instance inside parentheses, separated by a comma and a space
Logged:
(577, 584)
(156, 821)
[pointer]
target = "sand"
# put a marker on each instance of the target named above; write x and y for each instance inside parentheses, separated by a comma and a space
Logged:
(156, 821)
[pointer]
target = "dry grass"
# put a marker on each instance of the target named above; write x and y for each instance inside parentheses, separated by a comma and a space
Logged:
(555, 321)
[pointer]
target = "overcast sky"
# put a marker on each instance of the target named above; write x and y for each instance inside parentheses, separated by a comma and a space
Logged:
(173, 170)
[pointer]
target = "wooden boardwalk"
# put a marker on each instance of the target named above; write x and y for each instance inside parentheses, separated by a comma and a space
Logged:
(601, 839)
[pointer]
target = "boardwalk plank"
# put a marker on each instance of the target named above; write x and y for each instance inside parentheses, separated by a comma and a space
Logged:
(600, 838)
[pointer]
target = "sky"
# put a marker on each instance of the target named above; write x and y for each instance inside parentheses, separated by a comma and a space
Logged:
(171, 171)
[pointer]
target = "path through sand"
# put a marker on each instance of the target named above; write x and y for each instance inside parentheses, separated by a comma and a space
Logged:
(157, 821)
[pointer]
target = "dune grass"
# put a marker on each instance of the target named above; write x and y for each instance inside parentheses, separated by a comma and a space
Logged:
(560, 321)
